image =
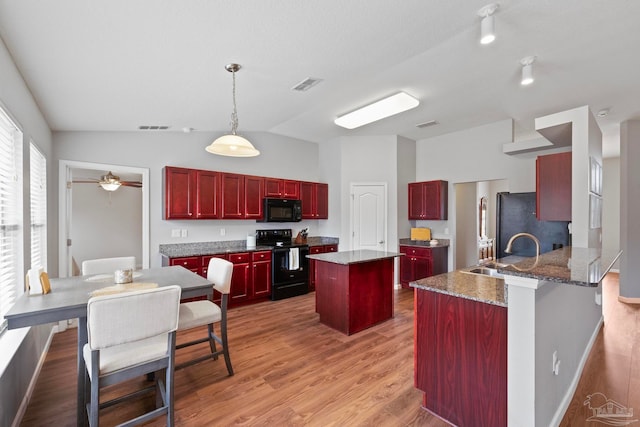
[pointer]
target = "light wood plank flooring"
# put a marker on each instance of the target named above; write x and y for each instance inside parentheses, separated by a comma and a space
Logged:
(291, 370)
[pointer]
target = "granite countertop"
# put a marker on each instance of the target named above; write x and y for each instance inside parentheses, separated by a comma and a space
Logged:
(476, 287)
(570, 265)
(424, 243)
(353, 257)
(176, 250)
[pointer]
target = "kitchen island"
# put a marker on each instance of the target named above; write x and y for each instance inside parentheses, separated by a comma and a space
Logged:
(354, 289)
(507, 347)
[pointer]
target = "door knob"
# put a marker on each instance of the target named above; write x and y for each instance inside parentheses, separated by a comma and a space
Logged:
(381, 241)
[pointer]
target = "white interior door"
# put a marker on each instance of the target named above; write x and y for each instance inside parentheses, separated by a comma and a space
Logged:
(368, 216)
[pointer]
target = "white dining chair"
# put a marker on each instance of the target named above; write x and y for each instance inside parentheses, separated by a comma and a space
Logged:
(131, 334)
(196, 314)
(108, 265)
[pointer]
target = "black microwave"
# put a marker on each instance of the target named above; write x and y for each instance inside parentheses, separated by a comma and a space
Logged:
(282, 210)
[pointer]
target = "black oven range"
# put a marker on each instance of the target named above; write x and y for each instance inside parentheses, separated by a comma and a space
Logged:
(289, 263)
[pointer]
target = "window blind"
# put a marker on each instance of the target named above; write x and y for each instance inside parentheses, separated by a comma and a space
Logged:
(9, 214)
(38, 175)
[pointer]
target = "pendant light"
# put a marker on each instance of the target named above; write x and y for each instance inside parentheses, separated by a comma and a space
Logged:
(232, 144)
(487, 24)
(527, 70)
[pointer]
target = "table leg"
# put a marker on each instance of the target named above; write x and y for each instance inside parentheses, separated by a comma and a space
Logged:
(82, 340)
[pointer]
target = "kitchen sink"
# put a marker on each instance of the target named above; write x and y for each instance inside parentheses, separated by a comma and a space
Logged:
(485, 271)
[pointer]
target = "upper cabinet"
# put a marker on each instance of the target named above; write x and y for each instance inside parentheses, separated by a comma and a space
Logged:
(202, 194)
(281, 188)
(190, 193)
(428, 200)
(315, 200)
(553, 187)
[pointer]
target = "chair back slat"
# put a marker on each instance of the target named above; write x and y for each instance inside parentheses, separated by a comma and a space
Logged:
(132, 316)
(108, 265)
(219, 272)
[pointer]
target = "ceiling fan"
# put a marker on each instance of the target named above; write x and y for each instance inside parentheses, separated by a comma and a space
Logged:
(110, 182)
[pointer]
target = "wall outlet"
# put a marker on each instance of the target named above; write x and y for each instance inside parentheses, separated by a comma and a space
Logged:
(223, 231)
(175, 232)
(183, 232)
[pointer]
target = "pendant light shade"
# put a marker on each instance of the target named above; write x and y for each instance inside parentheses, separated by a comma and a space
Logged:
(232, 144)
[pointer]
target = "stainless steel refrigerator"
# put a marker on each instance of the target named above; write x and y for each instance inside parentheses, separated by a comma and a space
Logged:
(516, 213)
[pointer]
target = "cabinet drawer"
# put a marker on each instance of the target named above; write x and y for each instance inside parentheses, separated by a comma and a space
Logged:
(316, 249)
(190, 262)
(239, 258)
(414, 251)
(331, 248)
(206, 258)
(261, 256)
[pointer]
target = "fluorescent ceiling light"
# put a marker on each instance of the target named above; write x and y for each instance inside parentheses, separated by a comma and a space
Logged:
(386, 107)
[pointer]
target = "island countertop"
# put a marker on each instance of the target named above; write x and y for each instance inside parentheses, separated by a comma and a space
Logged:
(570, 265)
(476, 287)
(353, 257)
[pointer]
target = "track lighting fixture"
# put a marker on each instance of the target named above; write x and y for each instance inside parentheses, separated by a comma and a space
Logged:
(487, 24)
(527, 70)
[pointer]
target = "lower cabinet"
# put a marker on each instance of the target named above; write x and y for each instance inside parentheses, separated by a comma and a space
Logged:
(251, 279)
(319, 249)
(460, 358)
(420, 262)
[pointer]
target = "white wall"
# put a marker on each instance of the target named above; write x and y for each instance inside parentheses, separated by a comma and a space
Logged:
(280, 157)
(106, 224)
(630, 209)
(469, 156)
(20, 349)
(611, 211)
(466, 225)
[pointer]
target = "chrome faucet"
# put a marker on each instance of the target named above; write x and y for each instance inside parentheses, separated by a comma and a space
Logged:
(515, 236)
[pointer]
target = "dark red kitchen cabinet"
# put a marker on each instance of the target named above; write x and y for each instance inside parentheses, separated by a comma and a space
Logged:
(232, 196)
(315, 200)
(241, 277)
(460, 358)
(553, 187)
(317, 249)
(179, 193)
(428, 200)
(253, 195)
(420, 262)
(207, 194)
(281, 188)
(261, 280)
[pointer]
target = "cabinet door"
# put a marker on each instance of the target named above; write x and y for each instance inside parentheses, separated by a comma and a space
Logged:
(179, 193)
(207, 191)
(312, 266)
(241, 277)
(322, 201)
(261, 280)
(553, 187)
(406, 269)
(253, 195)
(308, 198)
(290, 189)
(189, 262)
(232, 196)
(272, 187)
(416, 204)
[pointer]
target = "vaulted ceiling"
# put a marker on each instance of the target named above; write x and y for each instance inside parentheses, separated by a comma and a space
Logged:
(116, 65)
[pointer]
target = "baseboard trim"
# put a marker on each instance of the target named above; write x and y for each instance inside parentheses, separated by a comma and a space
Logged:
(568, 396)
(34, 379)
(627, 300)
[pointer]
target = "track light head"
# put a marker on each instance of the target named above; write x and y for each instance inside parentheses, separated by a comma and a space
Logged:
(487, 24)
(527, 70)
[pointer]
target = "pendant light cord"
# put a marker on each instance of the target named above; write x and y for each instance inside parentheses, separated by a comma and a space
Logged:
(234, 114)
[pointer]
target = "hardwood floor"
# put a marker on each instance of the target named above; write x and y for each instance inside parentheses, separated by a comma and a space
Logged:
(291, 370)
(613, 366)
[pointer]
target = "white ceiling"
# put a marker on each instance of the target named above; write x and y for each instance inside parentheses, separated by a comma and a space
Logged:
(117, 64)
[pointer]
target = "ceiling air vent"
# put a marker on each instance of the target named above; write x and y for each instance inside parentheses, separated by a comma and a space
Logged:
(306, 84)
(427, 124)
(153, 127)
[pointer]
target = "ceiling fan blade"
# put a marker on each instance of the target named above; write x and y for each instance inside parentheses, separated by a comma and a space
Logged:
(131, 184)
(85, 181)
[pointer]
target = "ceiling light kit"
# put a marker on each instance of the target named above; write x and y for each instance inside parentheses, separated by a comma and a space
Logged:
(487, 24)
(378, 110)
(527, 70)
(232, 144)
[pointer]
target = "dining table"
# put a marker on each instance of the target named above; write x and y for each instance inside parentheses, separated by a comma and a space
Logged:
(69, 297)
